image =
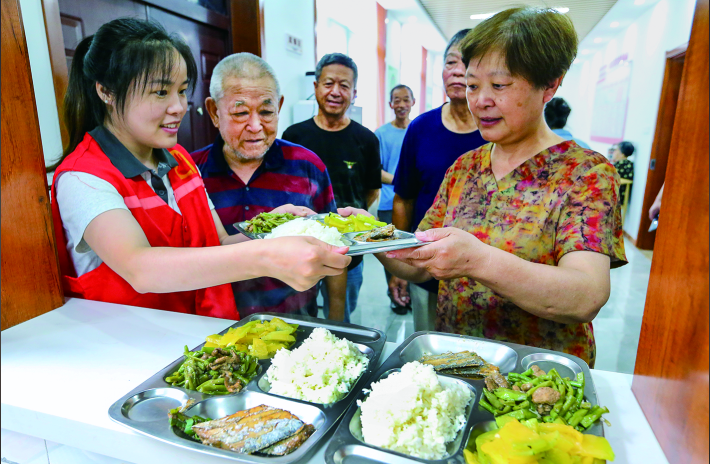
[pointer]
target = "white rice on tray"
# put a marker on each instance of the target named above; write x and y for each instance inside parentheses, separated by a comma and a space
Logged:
(310, 228)
(412, 413)
(321, 370)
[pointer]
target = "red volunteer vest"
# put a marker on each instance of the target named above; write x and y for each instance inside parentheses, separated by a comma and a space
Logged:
(162, 226)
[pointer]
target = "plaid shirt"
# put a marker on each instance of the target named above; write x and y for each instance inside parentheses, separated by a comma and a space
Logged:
(289, 174)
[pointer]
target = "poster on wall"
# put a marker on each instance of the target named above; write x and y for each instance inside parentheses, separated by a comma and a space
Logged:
(611, 101)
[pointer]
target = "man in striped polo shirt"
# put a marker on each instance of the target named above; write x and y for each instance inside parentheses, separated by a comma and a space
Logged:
(247, 170)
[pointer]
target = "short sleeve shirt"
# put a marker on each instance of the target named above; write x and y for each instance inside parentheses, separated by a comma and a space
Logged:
(428, 150)
(563, 199)
(289, 174)
(391, 139)
(352, 156)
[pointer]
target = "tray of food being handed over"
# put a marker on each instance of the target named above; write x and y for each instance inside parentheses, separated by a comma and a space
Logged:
(268, 388)
(363, 234)
(444, 398)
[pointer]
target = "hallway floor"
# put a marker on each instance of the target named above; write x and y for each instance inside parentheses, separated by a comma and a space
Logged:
(617, 326)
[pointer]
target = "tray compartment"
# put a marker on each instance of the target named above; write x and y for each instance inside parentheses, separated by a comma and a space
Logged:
(216, 408)
(355, 425)
(546, 361)
(265, 385)
(358, 454)
(436, 343)
(355, 334)
(154, 404)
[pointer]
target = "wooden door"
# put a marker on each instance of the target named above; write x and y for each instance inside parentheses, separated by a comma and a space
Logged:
(671, 376)
(30, 276)
(209, 46)
(675, 60)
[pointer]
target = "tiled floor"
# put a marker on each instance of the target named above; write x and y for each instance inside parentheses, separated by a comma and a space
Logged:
(617, 327)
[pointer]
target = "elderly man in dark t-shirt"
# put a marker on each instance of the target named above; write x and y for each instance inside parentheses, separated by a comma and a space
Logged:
(350, 151)
(247, 170)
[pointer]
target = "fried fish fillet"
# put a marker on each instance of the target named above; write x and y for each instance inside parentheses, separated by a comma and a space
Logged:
(250, 431)
(451, 360)
(205, 427)
(378, 235)
(290, 444)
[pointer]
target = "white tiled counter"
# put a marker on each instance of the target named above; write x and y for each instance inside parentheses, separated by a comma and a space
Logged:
(61, 371)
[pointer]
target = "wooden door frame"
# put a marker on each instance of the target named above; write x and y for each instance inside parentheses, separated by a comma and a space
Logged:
(58, 58)
(30, 277)
(661, 141)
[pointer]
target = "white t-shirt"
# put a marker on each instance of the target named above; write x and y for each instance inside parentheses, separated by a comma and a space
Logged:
(81, 197)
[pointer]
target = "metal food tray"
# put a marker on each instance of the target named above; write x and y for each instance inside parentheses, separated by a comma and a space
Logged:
(145, 408)
(347, 444)
(402, 239)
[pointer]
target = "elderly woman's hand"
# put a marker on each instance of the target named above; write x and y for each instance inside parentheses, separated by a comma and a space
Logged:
(453, 253)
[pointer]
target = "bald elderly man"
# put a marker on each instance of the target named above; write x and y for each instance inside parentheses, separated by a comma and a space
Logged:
(247, 170)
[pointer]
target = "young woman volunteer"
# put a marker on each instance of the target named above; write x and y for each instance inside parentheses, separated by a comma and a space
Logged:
(132, 220)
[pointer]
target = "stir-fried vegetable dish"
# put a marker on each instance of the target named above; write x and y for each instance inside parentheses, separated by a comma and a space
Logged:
(532, 442)
(353, 223)
(266, 222)
(548, 397)
(215, 371)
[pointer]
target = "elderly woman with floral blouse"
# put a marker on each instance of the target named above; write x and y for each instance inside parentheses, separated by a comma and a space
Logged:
(524, 230)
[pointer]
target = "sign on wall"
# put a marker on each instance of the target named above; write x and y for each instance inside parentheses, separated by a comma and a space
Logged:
(611, 101)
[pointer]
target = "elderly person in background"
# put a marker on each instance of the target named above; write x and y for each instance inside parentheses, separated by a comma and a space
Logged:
(524, 230)
(620, 154)
(247, 170)
(556, 113)
(349, 150)
(434, 140)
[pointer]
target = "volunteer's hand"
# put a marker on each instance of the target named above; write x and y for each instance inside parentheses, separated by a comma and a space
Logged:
(293, 209)
(398, 290)
(301, 262)
(345, 212)
(653, 211)
(453, 253)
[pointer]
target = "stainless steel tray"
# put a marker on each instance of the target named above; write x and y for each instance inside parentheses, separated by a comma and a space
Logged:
(145, 408)
(347, 444)
(402, 240)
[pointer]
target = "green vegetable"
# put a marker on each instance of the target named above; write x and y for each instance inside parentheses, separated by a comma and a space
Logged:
(184, 423)
(577, 416)
(569, 409)
(202, 375)
(510, 395)
(266, 222)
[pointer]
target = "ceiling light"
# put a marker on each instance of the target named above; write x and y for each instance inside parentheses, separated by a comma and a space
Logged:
(585, 52)
(598, 40)
(614, 24)
(562, 9)
(412, 19)
(387, 20)
(483, 16)
(639, 2)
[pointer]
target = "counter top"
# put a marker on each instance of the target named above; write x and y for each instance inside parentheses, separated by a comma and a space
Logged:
(60, 372)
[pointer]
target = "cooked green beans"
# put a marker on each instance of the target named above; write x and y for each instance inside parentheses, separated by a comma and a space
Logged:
(569, 407)
(222, 371)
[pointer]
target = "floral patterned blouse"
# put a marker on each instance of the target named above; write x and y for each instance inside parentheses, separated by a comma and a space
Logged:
(563, 199)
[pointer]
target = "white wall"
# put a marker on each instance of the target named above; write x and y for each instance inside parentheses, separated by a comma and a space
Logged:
(294, 17)
(662, 28)
(41, 68)
(361, 20)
